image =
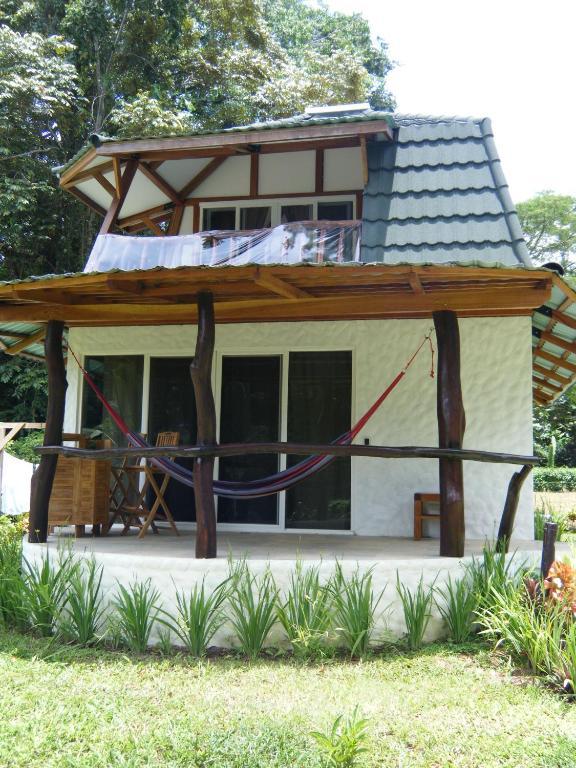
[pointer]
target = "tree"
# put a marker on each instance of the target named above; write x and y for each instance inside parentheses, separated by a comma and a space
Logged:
(69, 68)
(549, 224)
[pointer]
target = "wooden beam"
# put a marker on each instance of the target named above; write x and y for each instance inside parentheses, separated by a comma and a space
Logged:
(415, 282)
(117, 175)
(551, 338)
(196, 218)
(149, 213)
(7, 438)
(319, 172)
(153, 227)
(237, 139)
(296, 449)
(176, 220)
(562, 317)
(364, 156)
(510, 506)
(160, 183)
(551, 374)
(105, 184)
(78, 166)
(117, 202)
(201, 176)
(15, 349)
(281, 287)
(43, 478)
(376, 304)
(561, 362)
(201, 373)
(547, 384)
(451, 427)
(87, 201)
(89, 174)
(254, 173)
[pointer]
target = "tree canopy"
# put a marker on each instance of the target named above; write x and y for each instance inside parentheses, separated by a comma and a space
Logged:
(549, 224)
(69, 68)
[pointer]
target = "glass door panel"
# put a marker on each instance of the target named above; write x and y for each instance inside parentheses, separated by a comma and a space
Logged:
(120, 379)
(249, 413)
(172, 408)
(319, 410)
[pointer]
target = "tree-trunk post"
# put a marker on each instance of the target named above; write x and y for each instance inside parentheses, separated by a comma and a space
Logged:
(43, 478)
(510, 507)
(201, 372)
(548, 547)
(451, 426)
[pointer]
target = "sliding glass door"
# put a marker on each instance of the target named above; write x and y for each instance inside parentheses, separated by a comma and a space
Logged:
(249, 413)
(319, 411)
(172, 409)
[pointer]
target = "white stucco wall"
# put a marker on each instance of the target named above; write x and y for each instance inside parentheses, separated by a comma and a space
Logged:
(496, 382)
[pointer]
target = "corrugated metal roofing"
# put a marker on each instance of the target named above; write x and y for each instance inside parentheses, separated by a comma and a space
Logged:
(13, 333)
(437, 193)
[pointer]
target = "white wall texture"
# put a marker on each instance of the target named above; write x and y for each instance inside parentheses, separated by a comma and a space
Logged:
(496, 382)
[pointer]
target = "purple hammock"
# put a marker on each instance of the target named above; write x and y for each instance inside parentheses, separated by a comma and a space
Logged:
(266, 486)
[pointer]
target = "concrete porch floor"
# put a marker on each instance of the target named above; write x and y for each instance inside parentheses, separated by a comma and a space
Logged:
(274, 546)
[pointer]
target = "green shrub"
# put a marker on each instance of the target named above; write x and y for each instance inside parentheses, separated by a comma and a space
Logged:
(199, 617)
(305, 614)
(82, 618)
(252, 608)
(544, 513)
(24, 447)
(492, 574)
(12, 604)
(355, 605)
(555, 479)
(137, 611)
(417, 608)
(457, 606)
(45, 590)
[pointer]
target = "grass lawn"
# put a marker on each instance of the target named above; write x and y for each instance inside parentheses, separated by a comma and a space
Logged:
(65, 707)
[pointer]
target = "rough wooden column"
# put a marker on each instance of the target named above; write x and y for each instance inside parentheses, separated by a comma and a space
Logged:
(43, 478)
(201, 372)
(510, 507)
(451, 426)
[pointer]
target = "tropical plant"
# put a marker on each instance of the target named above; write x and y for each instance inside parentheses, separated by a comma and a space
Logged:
(494, 573)
(12, 604)
(45, 590)
(417, 609)
(457, 607)
(305, 613)
(252, 608)
(138, 610)
(199, 616)
(82, 618)
(355, 604)
(345, 740)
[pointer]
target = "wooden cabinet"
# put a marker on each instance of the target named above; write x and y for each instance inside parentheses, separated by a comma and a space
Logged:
(80, 494)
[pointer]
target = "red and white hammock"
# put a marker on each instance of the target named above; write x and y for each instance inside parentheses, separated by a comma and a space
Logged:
(280, 481)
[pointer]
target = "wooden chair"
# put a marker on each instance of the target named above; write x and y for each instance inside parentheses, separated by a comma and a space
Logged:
(139, 514)
(420, 512)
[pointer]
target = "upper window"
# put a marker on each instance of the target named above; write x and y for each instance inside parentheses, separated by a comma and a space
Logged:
(271, 213)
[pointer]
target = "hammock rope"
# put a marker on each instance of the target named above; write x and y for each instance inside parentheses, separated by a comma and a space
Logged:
(280, 481)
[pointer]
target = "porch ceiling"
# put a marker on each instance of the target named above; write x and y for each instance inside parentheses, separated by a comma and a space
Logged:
(297, 293)
(274, 293)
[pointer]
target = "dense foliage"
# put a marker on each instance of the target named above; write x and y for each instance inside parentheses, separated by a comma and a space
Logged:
(555, 479)
(69, 68)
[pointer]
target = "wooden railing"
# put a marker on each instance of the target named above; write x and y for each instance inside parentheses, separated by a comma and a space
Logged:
(211, 452)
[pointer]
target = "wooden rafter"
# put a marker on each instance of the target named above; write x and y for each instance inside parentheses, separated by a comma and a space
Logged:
(153, 227)
(87, 201)
(551, 374)
(560, 362)
(176, 220)
(280, 287)
(105, 184)
(117, 202)
(201, 176)
(319, 172)
(364, 159)
(20, 346)
(551, 338)
(160, 183)
(117, 175)
(254, 174)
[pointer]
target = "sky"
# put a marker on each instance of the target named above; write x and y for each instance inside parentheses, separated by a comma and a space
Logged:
(513, 61)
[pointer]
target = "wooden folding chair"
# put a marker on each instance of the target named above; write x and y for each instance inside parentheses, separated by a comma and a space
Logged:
(124, 488)
(140, 514)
